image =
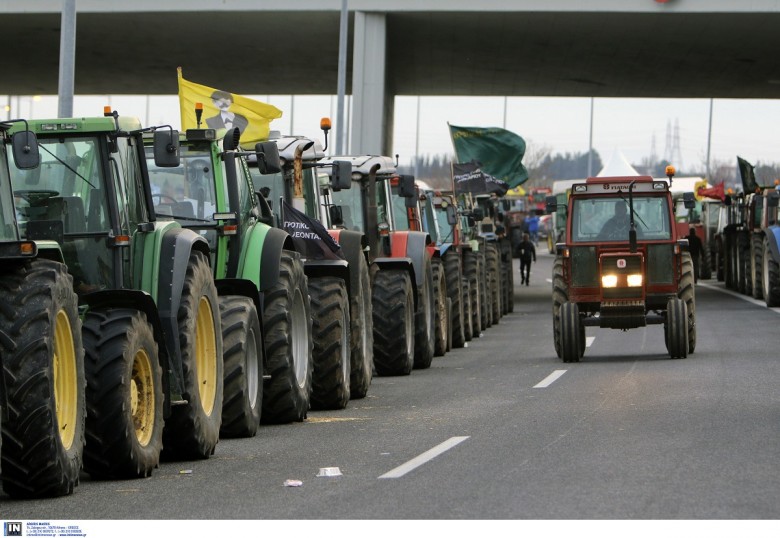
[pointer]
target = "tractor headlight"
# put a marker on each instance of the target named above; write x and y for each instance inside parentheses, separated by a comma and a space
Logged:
(609, 281)
(634, 281)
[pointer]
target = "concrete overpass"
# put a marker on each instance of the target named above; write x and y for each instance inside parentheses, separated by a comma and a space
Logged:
(598, 48)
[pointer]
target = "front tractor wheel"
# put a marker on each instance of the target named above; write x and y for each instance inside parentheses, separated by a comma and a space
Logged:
(124, 395)
(425, 320)
(686, 292)
(361, 334)
(572, 341)
(330, 334)
(442, 311)
(560, 295)
(676, 328)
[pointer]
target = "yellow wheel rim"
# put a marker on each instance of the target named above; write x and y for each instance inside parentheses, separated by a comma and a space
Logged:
(142, 401)
(66, 392)
(206, 356)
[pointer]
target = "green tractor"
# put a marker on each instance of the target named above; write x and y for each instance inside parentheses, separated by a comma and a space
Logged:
(266, 311)
(151, 328)
(42, 384)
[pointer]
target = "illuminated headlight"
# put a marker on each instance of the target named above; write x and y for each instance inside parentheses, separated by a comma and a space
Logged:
(634, 281)
(609, 281)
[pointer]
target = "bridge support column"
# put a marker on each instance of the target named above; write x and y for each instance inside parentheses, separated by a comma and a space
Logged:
(372, 111)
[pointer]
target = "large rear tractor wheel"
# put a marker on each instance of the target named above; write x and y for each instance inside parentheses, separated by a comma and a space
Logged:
(472, 273)
(330, 334)
(493, 273)
(393, 305)
(242, 341)
(571, 332)
(192, 430)
(288, 344)
(425, 320)
(560, 294)
(124, 395)
(757, 266)
(43, 367)
(454, 277)
(676, 328)
(361, 335)
(687, 293)
(770, 276)
(442, 310)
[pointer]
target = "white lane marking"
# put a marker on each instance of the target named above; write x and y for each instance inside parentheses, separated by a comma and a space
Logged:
(747, 298)
(550, 379)
(549, 280)
(423, 458)
(589, 340)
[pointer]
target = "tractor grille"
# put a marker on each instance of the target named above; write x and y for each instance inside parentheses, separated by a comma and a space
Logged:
(660, 264)
(584, 267)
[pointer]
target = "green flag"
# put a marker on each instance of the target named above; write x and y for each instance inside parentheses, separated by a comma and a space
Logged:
(749, 184)
(499, 152)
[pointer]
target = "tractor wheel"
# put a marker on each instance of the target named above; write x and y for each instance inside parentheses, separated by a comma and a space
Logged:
(757, 266)
(455, 292)
(468, 332)
(705, 267)
(686, 292)
(571, 332)
(676, 328)
(242, 342)
(192, 430)
(485, 295)
(728, 262)
(43, 367)
(288, 344)
(124, 395)
(770, 276)
(744, 284)
(393, 322)
(330, 335)
(449, 324)
(361, 335)
(471, 272)
(442, 317)
(720, 270)
(560, 294)
(424, 320)
(493, 272)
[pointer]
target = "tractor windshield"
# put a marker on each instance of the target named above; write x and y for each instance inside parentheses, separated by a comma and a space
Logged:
(607, 219)
(351, 202)
(65, 199)
(186, 192)
(400, 211)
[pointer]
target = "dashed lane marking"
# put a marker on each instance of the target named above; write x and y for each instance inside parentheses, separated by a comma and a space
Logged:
(424, 458)
(589, 340)
(550, 379)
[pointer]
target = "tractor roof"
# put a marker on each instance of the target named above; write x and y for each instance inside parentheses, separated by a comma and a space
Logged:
(608, 185)
(79, 125)
(288, 144)
(362, 164)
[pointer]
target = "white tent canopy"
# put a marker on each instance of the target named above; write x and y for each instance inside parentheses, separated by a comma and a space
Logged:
(617, 165)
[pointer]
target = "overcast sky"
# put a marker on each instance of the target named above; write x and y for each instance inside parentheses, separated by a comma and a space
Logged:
(748, 128)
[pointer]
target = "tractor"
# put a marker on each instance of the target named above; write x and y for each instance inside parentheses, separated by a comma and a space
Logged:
(401, 273)
(622, 265)
(264, 302)
(42, 384)
(148, 304)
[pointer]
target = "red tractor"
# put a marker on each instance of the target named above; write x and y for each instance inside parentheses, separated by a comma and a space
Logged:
(623, 264)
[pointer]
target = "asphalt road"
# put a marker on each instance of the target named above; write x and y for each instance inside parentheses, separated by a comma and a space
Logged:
(626, 434)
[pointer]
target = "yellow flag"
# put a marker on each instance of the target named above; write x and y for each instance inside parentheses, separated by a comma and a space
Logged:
(223, 110)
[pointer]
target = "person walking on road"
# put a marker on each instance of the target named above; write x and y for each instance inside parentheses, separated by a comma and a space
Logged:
(695, 248)
(527, 253)
(533, 228)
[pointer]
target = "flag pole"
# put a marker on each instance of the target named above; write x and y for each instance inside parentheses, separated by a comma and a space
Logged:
(342, 78)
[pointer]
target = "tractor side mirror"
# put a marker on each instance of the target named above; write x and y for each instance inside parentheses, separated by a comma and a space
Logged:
(727, 200)
(166, 148)
(342, 176)
(478, 214)
(452, 215)
(406, 186)
(336, 215)
(689, 201)
(410, 202)
(268, 158)
(772, 198)
(266, 215)
(551, 204)
(25, 150)
(471, 221)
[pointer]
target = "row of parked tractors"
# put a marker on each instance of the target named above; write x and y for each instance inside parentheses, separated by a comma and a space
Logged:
(162, 290)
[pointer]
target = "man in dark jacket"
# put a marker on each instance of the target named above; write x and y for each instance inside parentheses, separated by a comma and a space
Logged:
(527, 253)
(695, 247)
